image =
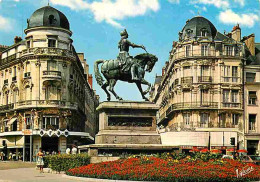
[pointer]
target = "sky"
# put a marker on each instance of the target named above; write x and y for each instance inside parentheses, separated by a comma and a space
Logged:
(96, 26)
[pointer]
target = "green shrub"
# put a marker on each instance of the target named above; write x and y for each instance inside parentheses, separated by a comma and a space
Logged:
(64, 162)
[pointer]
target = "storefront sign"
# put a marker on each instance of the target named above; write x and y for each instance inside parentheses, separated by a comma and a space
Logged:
(27, 132)
(50, 133)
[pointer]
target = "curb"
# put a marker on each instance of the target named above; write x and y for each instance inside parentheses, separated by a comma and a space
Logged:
(96, 179)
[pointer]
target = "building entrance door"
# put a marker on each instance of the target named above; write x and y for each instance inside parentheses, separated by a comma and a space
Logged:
(252, 146)
(50, 144)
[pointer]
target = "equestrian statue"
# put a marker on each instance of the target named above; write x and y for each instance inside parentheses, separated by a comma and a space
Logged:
(125, 68)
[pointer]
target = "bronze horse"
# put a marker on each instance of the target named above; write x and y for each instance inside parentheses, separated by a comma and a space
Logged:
(113, 71)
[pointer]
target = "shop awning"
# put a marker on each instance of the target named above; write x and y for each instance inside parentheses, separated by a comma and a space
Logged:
(11, 121)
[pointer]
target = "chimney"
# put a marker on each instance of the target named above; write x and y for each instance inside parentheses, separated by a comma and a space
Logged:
(163, 71)
(236, 33)
(90, 80)
(250, 43)
(17, 39)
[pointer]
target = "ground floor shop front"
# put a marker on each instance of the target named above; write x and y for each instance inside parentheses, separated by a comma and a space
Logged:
(188, 140)
(252, 144)
(25, 146)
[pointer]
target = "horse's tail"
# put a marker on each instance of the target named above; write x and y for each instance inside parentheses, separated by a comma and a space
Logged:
(98, 76)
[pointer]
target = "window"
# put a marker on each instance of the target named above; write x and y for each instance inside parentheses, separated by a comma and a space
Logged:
(250, 77)
(204, 50)
(204, 97)
(226, 73)
(186, 118)
(234, 74)
(229, 50)
(234, 95)
(204, 119)
(188, 50)
(52, 20)
(225, 95)
(252, 121)
(49, 122)
(51, 93)
(203, 32)
(28, 44)
(235, 118)
(51, 43)
(252, 98)
(28, 122)
(51, 65)
(186, 71)
(205, 70)
(222, 120)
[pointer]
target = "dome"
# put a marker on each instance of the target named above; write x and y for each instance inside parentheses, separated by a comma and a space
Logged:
(198, 27)
(48, 17)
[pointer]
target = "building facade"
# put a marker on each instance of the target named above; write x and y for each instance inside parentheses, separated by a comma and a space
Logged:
(46, 94)
(200, 93)
(252, 95)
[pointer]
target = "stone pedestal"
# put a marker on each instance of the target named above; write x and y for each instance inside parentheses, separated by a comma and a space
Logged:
(126, 127)
(127, 123)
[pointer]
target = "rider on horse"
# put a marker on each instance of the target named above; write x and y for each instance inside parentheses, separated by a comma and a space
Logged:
(124, 57)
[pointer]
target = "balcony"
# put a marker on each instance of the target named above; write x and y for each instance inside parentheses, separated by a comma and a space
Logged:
(231, 105)
(6, 107)
(47, 51)
(195, 105)
(228, 79)
(52, 74)
(8, 59)
(46, 103)
(203, 79)
(187, 80)
(200, 53)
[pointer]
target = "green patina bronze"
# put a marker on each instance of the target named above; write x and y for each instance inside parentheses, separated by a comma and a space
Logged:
(125, 68)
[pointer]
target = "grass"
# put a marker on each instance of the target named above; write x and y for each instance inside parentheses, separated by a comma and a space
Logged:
(15, 165)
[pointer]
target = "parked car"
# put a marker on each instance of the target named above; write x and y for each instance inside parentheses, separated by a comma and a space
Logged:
(227, 157)
(251, 159)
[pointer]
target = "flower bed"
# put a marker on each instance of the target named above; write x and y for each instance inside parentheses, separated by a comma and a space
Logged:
(157, 169)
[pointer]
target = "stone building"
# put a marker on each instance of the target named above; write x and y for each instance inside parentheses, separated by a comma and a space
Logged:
(200, 92)
(46, 94)
(252, 95)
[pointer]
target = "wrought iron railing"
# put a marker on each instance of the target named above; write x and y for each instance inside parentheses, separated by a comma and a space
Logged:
(204, 79)
(52, 73)
(187, 80)
(203, 53)
(231, 105)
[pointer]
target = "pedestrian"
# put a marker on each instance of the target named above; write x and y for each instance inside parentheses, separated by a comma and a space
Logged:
(68, 150)
(40, 161)
(74, 149)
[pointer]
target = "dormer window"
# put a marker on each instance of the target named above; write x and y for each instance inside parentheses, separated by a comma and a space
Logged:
(52, 20)
(189, 32)
(51, 43)
(203, 32)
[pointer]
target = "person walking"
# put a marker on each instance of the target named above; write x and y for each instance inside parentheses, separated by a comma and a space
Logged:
(68, 150)
(40, 161)
(74, 149)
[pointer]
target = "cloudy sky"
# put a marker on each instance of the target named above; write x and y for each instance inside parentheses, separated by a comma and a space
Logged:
(154, 23)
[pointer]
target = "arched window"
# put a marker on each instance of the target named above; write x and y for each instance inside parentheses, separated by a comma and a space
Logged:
(51, 20)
